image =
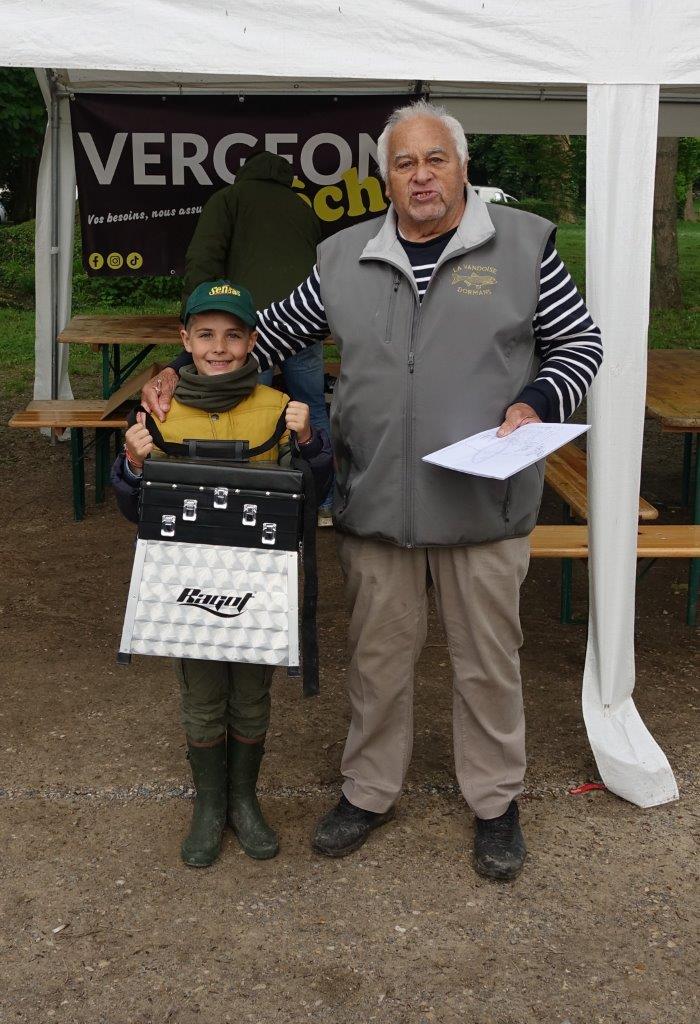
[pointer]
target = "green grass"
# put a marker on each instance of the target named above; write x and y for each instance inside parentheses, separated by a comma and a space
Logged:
(668, 329)
(676, 328)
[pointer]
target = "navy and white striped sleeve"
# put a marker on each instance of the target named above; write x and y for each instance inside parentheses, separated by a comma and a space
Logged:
(289, 326)
(568, 343)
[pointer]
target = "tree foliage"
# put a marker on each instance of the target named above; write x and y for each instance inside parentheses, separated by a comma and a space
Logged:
(22, 124)
(543, 168)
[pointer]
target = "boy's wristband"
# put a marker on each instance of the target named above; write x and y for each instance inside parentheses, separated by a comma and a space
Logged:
(133, 463)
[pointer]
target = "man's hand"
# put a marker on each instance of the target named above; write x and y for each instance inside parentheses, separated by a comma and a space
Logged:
(139, 442)
(517, 416)
(297, 419)
(158, 392)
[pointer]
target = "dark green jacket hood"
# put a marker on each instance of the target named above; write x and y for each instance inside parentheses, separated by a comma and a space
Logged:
(266, 167)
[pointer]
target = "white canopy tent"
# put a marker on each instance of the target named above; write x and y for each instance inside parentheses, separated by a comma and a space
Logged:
(503, 67)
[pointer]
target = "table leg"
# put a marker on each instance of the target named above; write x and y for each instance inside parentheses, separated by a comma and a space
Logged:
(116, 367)
(687, 468)
(106, 372)
(694, 571)
(101, 463)
(567, 567)
(77, 451)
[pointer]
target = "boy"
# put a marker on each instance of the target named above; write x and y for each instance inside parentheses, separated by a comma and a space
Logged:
(225, 707)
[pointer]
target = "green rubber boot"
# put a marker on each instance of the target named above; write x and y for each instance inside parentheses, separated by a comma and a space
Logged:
(208, 764)
(244, 814)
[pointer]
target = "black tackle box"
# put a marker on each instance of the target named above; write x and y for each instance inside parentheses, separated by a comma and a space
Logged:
(202, 501)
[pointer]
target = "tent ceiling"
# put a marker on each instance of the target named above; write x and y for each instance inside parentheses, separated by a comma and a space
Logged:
(601, 41)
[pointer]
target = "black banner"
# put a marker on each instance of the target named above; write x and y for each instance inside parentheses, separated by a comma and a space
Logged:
(147, 164)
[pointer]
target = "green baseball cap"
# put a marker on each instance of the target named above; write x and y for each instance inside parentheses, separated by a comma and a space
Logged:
(223, 295)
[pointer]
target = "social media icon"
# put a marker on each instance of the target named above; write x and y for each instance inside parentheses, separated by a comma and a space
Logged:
(96, 261)
(115, 260)
(134, 260)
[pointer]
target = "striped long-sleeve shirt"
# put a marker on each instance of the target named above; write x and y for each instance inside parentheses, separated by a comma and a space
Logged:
(568, 342)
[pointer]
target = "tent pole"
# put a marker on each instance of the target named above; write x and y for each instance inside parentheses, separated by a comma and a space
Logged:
(55, 194)
(621, 151)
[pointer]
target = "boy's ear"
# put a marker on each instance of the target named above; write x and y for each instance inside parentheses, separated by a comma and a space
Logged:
(185, 340)
(251, 341)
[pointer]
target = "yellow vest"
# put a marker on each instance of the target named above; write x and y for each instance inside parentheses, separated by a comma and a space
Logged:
(253, 420)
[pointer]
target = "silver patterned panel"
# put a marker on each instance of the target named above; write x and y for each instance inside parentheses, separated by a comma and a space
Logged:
(214, 603)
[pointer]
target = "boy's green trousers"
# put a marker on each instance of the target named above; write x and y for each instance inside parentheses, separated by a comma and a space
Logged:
(218, 694)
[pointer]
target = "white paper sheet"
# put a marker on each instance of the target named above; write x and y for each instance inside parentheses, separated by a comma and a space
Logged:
(485, 454)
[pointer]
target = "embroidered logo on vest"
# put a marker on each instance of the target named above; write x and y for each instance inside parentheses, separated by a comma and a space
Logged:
(474, 279)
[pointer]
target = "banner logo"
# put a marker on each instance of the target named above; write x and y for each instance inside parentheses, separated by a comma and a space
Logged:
(214, 603)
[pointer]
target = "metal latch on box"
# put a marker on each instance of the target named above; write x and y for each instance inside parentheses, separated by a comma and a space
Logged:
(269, 533)
(221, 497)
(189, 509)
(167, 526)
(250, 515)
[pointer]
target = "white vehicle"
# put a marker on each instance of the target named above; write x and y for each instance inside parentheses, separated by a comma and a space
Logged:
(3, 214)
(493, 195)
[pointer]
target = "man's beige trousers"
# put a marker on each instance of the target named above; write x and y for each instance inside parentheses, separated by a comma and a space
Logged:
(477, 591)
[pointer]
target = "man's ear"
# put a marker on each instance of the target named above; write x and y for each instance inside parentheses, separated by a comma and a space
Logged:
(252, 339)
(185, 339)
(466, 172)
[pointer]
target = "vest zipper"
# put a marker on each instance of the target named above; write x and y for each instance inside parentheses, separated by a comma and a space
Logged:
(408, 508)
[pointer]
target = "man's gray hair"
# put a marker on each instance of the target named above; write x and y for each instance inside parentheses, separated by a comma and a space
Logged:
(421, 108)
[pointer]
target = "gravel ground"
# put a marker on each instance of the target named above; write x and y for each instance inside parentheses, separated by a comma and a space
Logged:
(100, 922)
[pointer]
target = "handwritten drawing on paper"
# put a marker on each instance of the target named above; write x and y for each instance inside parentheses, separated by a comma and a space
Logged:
(485, 454)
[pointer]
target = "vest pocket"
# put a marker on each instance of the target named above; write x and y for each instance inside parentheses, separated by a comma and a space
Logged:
(505, 505)
(392, 305)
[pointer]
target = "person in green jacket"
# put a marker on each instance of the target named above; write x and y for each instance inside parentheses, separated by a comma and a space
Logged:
(260, 233)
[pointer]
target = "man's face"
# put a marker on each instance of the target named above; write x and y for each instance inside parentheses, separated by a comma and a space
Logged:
(219, 342)
(426, 178)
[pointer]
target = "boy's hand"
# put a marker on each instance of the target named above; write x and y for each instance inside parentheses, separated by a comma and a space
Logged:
(297, 419)
(157, 392)
(139, 442)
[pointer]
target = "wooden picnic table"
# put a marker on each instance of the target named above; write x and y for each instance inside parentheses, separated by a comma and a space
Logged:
(673, 398)
(673, 388)
(106, 334)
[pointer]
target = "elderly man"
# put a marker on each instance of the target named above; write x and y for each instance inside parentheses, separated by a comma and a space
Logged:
(451, 317)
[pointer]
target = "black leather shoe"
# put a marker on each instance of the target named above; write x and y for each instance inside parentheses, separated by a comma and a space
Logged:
(499, 846)
(345, 828)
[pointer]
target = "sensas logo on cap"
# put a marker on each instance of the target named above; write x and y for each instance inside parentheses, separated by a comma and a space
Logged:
(223, 289)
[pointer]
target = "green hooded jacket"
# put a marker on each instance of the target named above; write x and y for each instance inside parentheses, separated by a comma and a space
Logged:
(256, 232)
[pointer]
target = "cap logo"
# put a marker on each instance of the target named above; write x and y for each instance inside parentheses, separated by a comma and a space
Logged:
(224, 289)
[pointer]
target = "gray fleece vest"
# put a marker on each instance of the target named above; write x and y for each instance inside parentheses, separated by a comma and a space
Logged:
(416, 376)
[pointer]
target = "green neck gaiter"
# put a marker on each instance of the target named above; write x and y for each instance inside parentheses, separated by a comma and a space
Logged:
(220, 392)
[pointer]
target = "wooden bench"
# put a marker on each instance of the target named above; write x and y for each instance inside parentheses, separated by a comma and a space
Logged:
(652, 542)
(104, 416)
(566, 472)
(569, 542)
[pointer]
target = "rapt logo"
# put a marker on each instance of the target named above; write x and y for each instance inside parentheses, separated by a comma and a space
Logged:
(221, 605)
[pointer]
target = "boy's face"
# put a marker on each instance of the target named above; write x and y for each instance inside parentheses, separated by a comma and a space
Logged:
(219, 342)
